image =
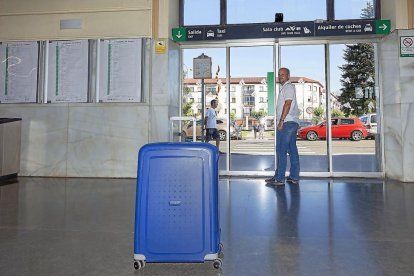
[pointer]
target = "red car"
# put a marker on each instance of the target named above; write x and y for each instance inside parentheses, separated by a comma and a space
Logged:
(351, 128)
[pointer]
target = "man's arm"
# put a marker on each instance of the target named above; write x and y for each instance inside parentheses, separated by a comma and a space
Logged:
(285, 111)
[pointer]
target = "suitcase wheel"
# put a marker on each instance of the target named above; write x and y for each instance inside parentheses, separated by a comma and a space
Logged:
(139, 264)
(217, 263)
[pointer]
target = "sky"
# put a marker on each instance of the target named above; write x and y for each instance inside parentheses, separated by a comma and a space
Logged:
(302, 60)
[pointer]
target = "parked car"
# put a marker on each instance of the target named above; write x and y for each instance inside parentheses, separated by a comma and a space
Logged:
(351, 128)
(187, 131)
(370, 122)
(302, 124)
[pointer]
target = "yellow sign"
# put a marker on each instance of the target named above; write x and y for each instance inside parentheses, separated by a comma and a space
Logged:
(160, 46)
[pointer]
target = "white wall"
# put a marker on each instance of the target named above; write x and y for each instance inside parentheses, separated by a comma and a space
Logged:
(40, 19)
(398, 107)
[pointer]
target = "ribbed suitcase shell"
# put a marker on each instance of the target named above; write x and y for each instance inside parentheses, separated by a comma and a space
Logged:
(176, 215)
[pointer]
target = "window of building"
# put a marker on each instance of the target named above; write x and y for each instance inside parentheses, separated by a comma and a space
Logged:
(262, 88)
(211, 89)
(248, 89)
(191, 99)
(261, 100)
(233, 100)
(246, 111)
(199, 100)
(233, 88)
(248, 100)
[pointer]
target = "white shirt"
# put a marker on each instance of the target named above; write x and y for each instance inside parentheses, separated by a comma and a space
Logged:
(287, 92)
(211, 118)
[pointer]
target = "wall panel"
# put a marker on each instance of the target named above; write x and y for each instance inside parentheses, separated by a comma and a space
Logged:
(59, 6)
(25, 20)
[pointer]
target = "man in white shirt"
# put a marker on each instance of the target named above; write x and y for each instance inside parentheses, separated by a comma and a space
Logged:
(287, 118)
(211, 124)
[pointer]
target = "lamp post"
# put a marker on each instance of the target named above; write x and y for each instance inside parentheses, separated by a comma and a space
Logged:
(303, 97)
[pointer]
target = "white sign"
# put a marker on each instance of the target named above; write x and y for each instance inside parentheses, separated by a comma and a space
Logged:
(202, 67)
(120, 70)
(407, 46)
(18, 72)
(68, 71)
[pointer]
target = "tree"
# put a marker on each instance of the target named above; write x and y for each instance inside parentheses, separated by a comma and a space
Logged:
(318, 113)
(187, 110)
(358, 75)
(337, 113)
(187, 103)
(258, 114)
(232, 116)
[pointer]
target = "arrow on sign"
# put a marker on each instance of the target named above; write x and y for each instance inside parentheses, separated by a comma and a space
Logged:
(383, 27)
(179, 35)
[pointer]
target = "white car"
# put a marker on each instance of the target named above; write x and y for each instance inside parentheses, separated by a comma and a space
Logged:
(370, 122)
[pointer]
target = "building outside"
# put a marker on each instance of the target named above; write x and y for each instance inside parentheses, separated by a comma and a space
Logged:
(250, 94)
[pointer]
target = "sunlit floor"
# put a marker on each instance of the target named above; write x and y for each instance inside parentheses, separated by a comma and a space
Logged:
(57, 226)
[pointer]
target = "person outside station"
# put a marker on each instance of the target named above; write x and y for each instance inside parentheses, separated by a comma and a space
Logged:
(211, 124)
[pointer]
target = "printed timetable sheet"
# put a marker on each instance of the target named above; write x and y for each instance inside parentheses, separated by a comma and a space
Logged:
(18, 72)
(120, 70)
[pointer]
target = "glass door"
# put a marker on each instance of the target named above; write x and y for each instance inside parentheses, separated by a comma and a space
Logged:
(307, 73)
(354, 108)
(252, 108)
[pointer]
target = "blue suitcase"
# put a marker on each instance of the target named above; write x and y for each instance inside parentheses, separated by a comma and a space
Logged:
(176, 215)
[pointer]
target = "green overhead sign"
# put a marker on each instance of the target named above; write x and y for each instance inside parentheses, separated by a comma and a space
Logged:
(179, 34)
(360, 27)
(382, 26)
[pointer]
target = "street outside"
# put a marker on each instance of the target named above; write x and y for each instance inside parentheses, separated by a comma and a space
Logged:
(250, 145)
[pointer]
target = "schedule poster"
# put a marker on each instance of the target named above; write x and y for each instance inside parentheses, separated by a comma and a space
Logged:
(68, 71)
(120, 70)
(18, 72)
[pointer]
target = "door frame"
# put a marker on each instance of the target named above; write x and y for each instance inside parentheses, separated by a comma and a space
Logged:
(277, 44)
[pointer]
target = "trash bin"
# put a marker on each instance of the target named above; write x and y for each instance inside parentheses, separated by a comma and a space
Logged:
(10, 142)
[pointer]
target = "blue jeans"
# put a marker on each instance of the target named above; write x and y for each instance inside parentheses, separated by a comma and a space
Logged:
(286, 143)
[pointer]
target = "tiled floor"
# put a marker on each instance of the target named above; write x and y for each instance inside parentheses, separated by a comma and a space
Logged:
(56, 226)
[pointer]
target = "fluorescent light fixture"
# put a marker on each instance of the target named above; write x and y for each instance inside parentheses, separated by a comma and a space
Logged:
(70, 24)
